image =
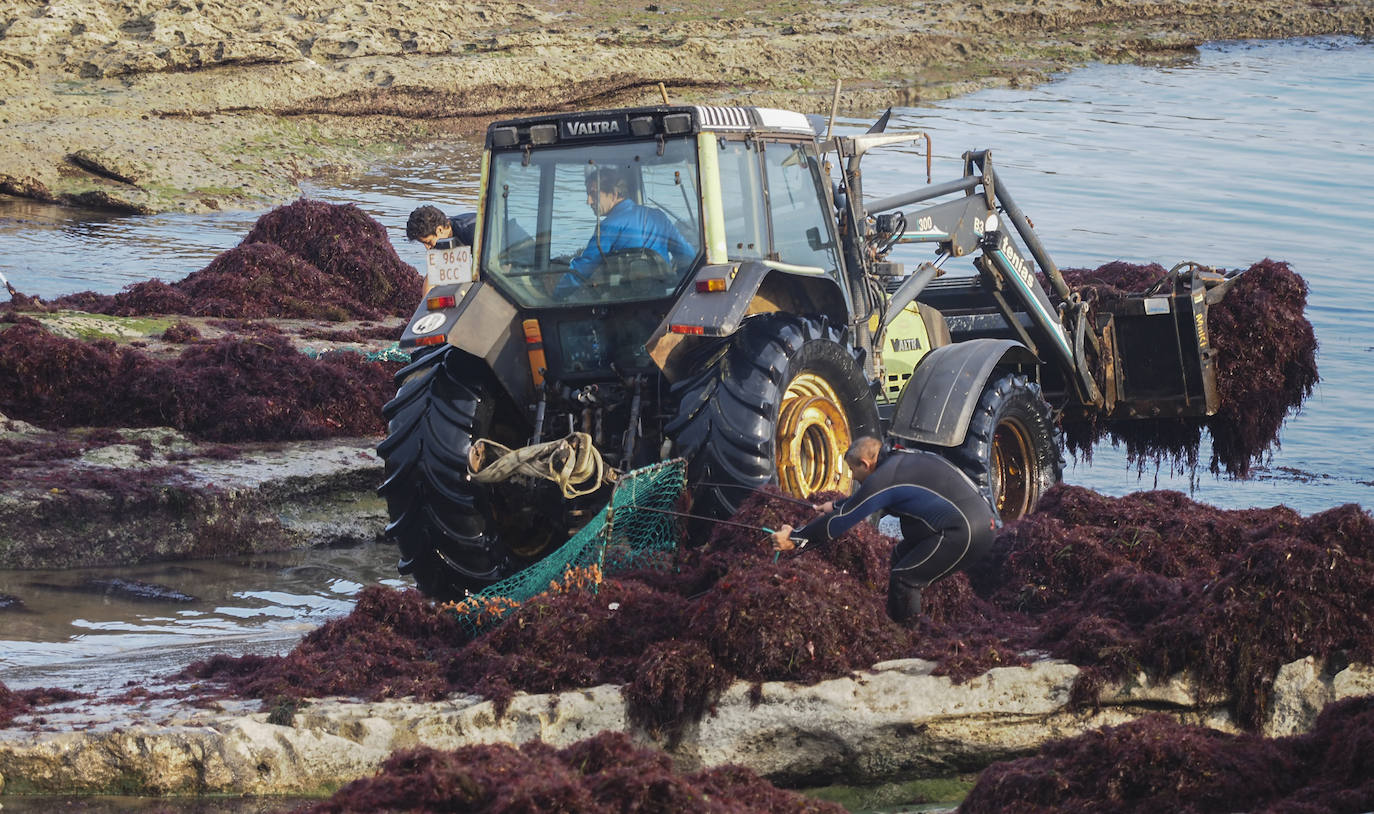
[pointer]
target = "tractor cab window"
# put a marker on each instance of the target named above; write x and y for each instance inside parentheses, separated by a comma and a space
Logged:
(592, 224)
(741, 200)
(802, 233)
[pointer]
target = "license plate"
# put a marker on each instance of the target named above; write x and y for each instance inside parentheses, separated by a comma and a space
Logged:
(445, 266)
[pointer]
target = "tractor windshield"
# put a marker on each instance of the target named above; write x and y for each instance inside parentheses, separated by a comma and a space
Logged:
(592, 224)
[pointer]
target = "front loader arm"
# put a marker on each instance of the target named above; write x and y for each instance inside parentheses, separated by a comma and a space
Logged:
(977, 222)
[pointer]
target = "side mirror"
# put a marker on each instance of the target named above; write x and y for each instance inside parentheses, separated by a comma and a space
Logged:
(813, 239)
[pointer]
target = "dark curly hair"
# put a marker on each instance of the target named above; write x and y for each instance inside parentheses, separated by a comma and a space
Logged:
(425, 221)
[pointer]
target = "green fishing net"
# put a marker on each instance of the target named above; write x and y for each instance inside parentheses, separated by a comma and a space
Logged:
(639, 523)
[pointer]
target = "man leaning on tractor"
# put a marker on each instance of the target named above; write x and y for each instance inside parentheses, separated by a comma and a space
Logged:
(429, 225)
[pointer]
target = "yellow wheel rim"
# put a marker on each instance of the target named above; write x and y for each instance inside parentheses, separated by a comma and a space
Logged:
(813, 434)
(1012, 462)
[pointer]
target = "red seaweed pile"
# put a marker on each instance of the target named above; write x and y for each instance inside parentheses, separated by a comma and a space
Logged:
(308, 259)
(1156, 582)
(1267, 363)
(674, 637)
(1266, 366)
(22, 702)
(233, 389)
(1152, 582)
(392, 645)
(601, 775)
(1156, 764)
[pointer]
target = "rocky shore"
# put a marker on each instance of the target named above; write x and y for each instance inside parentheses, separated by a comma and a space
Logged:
(895, 720)
(142, 107)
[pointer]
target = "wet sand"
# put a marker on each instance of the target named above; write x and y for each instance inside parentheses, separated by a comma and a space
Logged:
(142, 108)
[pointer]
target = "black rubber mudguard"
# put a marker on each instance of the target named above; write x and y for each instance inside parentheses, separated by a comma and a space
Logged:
(938, 401)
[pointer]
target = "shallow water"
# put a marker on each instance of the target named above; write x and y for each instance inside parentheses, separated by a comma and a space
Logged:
(1255, 150)
(1251, 151)
(69, 636)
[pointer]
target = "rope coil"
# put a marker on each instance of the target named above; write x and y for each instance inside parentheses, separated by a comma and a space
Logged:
(569, 462)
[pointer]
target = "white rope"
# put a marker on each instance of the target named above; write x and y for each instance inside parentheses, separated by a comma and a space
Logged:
(569, 462)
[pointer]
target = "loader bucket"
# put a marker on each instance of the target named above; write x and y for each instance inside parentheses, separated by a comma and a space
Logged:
(1161, 363)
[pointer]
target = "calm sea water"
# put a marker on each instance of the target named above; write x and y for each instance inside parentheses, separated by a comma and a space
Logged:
(1253, 150)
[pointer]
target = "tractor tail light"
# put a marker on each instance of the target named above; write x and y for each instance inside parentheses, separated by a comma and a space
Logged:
(534, 346)
(440, 303)
(713, 284)
(430, 340)
(690, 330)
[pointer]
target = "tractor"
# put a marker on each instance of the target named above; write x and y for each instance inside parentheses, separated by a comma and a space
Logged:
(774, 333)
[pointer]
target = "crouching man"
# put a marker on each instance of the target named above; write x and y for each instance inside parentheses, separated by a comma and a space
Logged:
(947, 523)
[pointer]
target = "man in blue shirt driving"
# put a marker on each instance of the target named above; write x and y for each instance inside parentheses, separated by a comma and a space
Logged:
(623, 225)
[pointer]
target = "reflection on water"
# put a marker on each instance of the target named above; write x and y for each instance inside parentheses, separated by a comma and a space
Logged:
(1255, 150)
(258, 604)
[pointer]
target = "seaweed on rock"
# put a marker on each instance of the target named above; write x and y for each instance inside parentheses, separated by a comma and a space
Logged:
(677, 681)
(14, 703)
(602, 774)
(307, 259)
(1157, 764)
(795, 620)
(563, 641)
(233, 389)
(393, 644)
(262, 280)
(1152, 583)
(346, 243)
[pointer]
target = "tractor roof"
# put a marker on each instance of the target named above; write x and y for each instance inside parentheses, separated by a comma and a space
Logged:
(643, 122)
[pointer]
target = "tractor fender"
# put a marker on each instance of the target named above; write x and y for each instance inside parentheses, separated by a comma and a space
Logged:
(483, 324)
(938, 401)
(719, 297)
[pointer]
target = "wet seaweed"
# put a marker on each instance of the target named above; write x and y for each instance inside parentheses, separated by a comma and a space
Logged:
(1266, 367)
(796, 620)
(563, 641)
(344, 242)
(677, 682)
(1152, 582)
(1267, 363)
(181, 332)
(34, 454)
(308, 259)
(1157, 764)
(14, 703)
(362, 333)
(391, 645)
(1155, 581)
(605, 773)
(232, 389)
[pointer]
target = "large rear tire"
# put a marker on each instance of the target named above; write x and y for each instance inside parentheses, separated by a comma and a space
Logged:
(439, 516)
(780, 400)
(1012, 448)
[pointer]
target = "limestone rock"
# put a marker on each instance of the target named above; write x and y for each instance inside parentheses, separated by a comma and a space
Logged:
(175, 505)
(1303, 688)
(894, 720)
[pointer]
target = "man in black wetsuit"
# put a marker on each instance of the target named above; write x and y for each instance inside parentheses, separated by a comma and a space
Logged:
(947, 523)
